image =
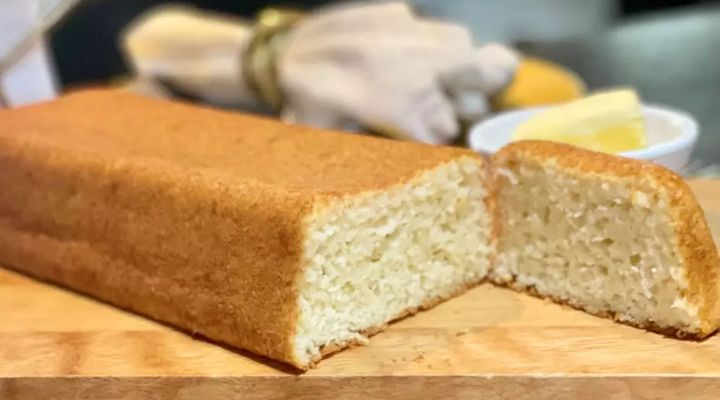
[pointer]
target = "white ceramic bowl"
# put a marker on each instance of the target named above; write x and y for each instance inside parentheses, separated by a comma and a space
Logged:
(671, 135)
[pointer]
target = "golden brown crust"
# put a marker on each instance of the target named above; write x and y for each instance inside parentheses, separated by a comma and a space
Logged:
(189, 215)
(695, 244)
(232, 146)
(698, 250)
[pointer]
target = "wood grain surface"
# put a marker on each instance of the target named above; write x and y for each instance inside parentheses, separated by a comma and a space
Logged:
(489, 343)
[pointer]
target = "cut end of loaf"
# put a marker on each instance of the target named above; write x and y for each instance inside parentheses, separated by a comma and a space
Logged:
(378, 256)
(608, 242)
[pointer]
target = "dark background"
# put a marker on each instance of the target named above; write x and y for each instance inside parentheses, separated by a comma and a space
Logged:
(95, 24)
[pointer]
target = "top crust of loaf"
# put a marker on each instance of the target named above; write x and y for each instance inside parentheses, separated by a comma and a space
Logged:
(236, 146)
(695, 242)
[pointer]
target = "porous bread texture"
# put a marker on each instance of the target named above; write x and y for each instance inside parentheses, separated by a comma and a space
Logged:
(612, 236)
(378, 256)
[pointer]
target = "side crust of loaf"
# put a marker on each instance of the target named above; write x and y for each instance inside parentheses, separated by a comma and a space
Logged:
(173, 246)
(694, 244)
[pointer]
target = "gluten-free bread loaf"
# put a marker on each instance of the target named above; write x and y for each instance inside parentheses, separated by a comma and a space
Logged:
(616, 237)
(286, 241)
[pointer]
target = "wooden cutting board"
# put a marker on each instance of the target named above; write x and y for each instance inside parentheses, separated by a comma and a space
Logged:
(489, 343)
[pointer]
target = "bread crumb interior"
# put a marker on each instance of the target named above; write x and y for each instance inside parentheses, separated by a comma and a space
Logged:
(603, 245)
(370, 258)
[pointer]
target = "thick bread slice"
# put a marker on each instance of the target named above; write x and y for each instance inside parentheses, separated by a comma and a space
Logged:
(286, 241)
(616, 237)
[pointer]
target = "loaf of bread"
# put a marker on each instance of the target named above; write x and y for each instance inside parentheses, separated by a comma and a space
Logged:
(285, 241)
(615, 237)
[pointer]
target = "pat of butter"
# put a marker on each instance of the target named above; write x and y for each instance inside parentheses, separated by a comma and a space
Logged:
(610, 122)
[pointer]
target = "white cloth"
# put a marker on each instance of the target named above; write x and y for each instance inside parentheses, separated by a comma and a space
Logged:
(30, 77)
(370, 64)
(198, 53)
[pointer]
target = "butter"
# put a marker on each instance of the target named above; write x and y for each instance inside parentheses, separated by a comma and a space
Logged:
(609, 122)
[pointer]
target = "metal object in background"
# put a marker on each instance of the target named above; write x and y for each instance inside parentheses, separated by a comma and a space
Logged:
(260, 58)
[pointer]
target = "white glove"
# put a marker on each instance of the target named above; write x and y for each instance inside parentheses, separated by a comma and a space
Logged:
(373, 65)
(384, 68)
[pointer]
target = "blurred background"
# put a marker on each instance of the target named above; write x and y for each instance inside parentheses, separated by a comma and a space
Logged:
(669, 50)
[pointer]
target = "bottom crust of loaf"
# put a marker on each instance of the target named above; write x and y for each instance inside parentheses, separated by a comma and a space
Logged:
(327, 351)
(668, 331)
